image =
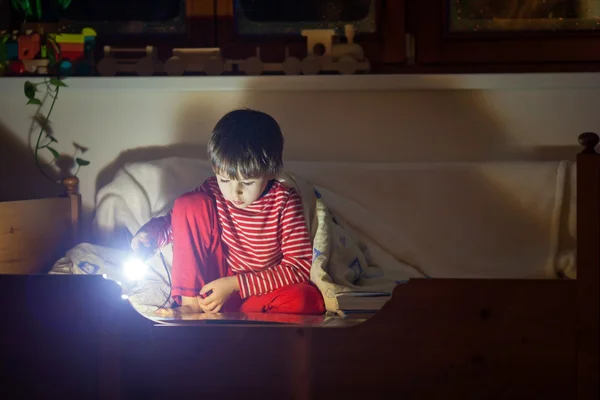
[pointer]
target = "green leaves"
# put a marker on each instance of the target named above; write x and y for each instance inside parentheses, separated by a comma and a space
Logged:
(29, 89)
(55, 153)
(38, 8)
(57, 82)
(64, 3)
(23, 6)
(81, 162)
(53, 85)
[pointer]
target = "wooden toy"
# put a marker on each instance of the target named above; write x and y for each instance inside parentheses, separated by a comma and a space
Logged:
(207, 60)
(32, 53)
(323, 55)
(142, 61)
(29, 46)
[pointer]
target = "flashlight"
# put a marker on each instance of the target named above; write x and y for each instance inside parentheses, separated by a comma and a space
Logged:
(134, 268)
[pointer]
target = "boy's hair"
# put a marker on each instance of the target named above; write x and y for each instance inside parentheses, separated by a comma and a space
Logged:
(246, 144)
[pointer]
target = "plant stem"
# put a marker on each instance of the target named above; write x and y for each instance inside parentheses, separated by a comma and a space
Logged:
(37, 145)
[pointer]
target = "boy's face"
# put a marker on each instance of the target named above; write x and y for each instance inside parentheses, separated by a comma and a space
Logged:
(244, 192)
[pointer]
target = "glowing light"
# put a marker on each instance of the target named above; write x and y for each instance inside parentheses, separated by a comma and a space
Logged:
(104, 276)
(134, 268)
(124, 296)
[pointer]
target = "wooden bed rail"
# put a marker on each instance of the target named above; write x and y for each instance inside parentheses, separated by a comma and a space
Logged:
(37, 232)
(588, 265)
(71, 185)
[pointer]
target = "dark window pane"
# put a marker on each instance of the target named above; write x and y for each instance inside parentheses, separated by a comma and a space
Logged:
(523, 15)
(305, 10)
(110, 10)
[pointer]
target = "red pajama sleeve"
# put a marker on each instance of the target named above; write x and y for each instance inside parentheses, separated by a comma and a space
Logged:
(160, 229)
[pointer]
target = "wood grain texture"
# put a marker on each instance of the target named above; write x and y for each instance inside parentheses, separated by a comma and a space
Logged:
(34, 234)
(200, 16)
(588, 277)
(450, 339)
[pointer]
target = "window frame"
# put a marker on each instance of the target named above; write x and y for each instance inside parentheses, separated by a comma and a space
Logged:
(386, 46)
(434, 45)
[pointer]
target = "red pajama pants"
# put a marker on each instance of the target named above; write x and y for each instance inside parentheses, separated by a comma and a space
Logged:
(198, 258)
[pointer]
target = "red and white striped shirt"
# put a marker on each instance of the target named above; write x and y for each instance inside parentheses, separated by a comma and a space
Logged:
(267, 244)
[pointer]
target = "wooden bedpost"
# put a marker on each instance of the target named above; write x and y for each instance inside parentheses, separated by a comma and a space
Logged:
(71, 184)
(588, 264)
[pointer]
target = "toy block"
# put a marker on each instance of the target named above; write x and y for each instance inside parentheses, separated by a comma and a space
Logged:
(71, 47)
(12, 50)
(69, 38)
(29, 46)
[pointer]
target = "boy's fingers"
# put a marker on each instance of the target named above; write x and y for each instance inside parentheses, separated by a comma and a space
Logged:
(206, 303)
(210, 307)
(205, 289)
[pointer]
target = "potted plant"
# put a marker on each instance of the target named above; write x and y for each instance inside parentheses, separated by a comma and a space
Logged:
(45, 141)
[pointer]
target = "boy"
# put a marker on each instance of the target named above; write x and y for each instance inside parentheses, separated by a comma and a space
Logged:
(240, 242)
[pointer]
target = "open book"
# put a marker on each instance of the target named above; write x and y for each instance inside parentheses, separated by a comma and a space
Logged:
(362, 301)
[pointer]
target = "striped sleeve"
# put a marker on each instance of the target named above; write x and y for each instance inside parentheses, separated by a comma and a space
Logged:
(297, 254)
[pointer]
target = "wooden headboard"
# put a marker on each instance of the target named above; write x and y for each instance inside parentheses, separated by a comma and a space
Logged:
(34, 234)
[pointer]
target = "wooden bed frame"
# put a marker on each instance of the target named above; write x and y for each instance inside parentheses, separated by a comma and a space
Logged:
(36, 233)
(435, 339)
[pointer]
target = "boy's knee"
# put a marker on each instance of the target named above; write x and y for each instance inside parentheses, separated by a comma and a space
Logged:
(304, 299)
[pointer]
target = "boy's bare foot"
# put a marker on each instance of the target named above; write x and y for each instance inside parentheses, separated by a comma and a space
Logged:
(172, 312)
(165, 312)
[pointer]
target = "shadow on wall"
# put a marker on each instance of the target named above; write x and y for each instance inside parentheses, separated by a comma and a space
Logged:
(418, 126)
(186, 135)
(19, 177)
(407, 126)
(145, 154)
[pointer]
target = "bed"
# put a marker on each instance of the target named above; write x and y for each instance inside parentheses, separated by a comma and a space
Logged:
(437, 337)
(34, 233)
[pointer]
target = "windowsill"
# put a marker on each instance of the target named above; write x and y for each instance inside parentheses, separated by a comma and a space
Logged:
(518, 81)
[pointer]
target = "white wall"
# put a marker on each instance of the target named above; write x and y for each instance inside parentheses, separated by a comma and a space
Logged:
(407, 118)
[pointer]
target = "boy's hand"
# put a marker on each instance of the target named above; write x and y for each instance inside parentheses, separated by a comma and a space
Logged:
(221, 289)
(143, 245)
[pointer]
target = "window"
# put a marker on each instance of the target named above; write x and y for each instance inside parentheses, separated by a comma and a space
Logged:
(518, 15)
(263, 17)
(111, 16)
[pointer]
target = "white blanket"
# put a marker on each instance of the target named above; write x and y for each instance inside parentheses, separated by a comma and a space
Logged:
(145, 295)
(343, 260)
(394, 221)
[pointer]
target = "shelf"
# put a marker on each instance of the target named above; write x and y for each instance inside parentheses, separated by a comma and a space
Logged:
(512, 81)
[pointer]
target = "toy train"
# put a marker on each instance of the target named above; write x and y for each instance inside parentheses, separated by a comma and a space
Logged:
(324, 54)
